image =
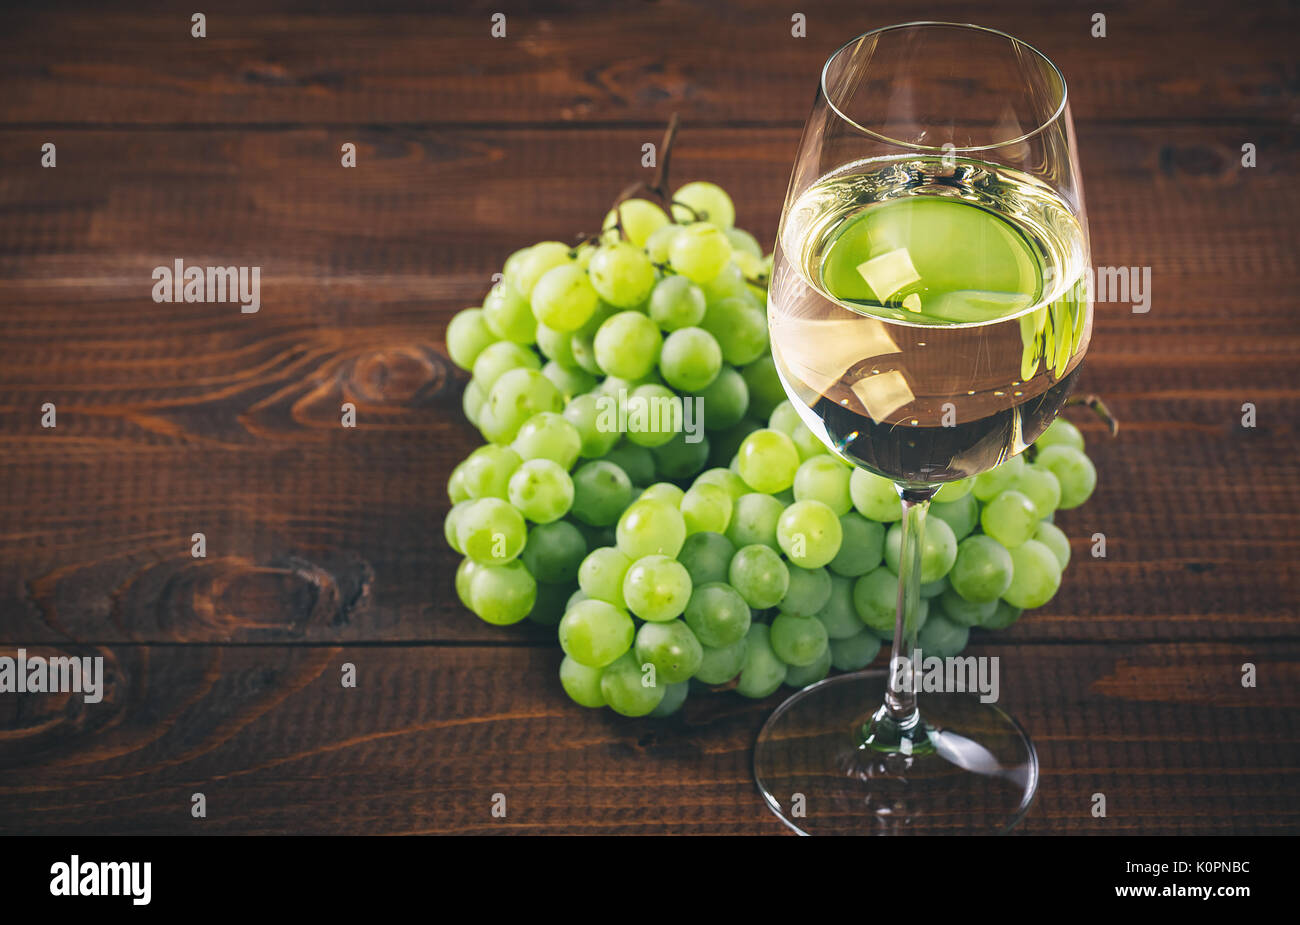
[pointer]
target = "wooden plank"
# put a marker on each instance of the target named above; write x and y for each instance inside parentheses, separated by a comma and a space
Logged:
(178, 418)
(276, 745)
(581, 62)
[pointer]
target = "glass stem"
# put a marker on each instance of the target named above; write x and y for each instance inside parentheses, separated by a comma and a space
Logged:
(900, 693)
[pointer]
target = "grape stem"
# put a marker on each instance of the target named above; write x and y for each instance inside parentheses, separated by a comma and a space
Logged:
(1098, 407)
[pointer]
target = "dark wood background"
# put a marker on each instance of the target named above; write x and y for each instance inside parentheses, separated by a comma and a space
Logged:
(325, 545)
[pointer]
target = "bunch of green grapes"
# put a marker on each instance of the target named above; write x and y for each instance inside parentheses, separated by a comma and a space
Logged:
(740, 553)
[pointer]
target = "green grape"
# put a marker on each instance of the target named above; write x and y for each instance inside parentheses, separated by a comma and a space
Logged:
(1075, 473)
(660, 242)
(754, 520)
(601, 492)
(706, 556)
(803, 675)
(982, 571)
(472, 401)
(768, 461)
(510, 272)
(554, 552)
(677, 303)
(726, 444)
(501, 357)
(824, 478)
(508, 315)
(875, 598)
(654, 415)
(464, 581)
(699, 252)
(808, 593)
(725, 479)
(639, 218)
(650, 528)
(628, 345)
(657, 588)
(491, 532)
(575, 597)
(740, 329)
(551, 604)
(541, 490)
(601, 574)
(720, 665)
(674, 696)
(723, 402)
(961, 515)
(798, 640)
(570, 382)
(492, 431)
(582, 343)
(666, 492)
(938, 549)
(486, 472)
(681, 458)
(1040, 486)
(690, 359)
(728, 284)
(862, 548)
(625, 690)
(449, 524)
(622, 274)
(456, 489)
(700, 201)
(934, 588)
(706, 508)
(855, 652)
(954, 491)
(995, 481)
(750, 265)
(519, 394)
(809, 533)
(742, 242)
(875, 496)
(548, 435)
(806, 442)
(635, 460)
(581, 682)
(671, 648)
(1054, 538)
(783, 418)
(1036, 577)
(556, 346)
(1010, 518)
(596, 632)
(838, 615)
(534, 264)
(468, 335)
(564, 298)
(717, 614)
(1060, 433)
(765, 388)
(502, 594)
(1003, 616)
(942, 637)
(761, 672)
(588, 416)
(760, 576)
(960, 610)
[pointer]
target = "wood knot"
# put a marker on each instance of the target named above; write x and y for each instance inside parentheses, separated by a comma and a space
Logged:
(55, 696)
(403, 375)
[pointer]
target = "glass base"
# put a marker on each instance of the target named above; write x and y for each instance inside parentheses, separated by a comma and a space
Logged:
(829, 763)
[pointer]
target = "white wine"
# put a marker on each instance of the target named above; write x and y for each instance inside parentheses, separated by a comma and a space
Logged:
(928, 315)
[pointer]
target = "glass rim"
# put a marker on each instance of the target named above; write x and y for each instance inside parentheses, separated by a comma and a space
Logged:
(1046, 123)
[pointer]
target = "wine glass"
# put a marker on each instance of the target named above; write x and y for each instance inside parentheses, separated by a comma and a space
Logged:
(928, 316)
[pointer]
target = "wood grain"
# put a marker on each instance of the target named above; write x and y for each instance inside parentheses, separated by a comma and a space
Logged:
(277, 745)
(325, 544)
(411, 62)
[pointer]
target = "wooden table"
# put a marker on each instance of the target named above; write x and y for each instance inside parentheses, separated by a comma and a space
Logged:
(324, 544)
